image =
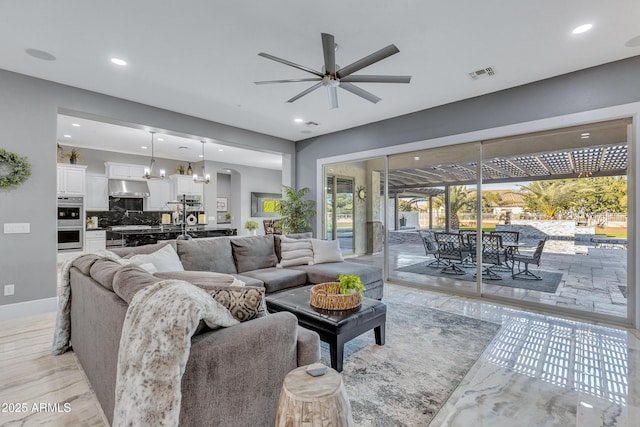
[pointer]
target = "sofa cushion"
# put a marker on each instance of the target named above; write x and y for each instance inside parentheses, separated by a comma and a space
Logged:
(85, 262)
(326, 251)
(128, 252)
(130, 279)
(276, 279)
(295, 252)
(208, 254)
(254, 253)
(329, 272)
(244, 303)
(164, 259)
(202, 279)
(250, 281)
(103, 270)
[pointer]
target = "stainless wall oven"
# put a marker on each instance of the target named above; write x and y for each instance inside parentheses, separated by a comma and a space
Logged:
(71, 223)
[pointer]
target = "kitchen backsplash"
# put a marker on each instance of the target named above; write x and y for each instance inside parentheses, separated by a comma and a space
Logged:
(113, 218)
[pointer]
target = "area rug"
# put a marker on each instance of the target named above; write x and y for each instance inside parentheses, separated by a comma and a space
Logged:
(406, 381)
(549, 282)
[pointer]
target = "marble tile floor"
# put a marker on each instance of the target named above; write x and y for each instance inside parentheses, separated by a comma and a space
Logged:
(591, 281)
(538, 371)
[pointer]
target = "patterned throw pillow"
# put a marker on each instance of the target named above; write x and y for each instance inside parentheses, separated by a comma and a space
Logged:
(244, 303)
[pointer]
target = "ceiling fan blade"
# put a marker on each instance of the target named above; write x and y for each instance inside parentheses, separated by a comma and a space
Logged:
(266, 82)
(376, 79)
(305, 92)
(291, 64)
(329, 50)
(360, 92)
(368, 60)
(333, 96)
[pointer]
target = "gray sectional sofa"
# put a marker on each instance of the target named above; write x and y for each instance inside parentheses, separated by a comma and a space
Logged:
(234, 375)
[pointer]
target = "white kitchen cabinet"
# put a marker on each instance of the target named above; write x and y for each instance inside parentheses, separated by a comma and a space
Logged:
(159, 195)
(95, 240)
(97, 192)
(71, 180)
(183, 184)
(124, 171)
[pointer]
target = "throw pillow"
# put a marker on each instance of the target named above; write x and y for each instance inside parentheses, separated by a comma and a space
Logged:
(326, 251)
(254, 253)
(244, 303)
(164, 259)
(202, 279)
(295, 252)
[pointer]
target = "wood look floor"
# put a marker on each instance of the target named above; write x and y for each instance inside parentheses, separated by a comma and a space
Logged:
(35, 385)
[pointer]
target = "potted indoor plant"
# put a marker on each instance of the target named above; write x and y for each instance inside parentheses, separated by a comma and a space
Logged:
(252, 226)
(345, 294)
(180, 169)
(295, 210)
(228, 217)
(73, 156)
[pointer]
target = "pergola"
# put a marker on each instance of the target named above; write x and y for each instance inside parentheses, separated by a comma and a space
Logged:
(593, 150)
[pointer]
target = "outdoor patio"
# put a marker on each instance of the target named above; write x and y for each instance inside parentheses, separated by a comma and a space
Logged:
(593, 279)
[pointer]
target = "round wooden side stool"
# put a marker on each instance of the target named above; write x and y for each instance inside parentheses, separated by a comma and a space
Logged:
(309, 401)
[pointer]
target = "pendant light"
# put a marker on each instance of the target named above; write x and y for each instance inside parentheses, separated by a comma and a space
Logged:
(148, 172)
(204, 178)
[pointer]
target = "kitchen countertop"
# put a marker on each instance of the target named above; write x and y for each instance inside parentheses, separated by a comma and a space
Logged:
(170, 229)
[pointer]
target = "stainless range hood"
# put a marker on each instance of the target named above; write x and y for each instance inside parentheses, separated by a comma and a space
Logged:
(122, 188)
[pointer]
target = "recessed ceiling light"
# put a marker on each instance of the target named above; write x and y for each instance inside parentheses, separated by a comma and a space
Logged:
(40, 54)
(66, 135)
(220, 149)
(119, 61)
(416, 158)
(305, 131)
(75, 125)
(144, 147)
(160, 139)
(582, 29)
(200, 155)
(183, 148)
(298, 120)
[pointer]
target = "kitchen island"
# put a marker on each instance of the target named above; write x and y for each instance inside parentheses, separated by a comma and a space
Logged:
(138, 235)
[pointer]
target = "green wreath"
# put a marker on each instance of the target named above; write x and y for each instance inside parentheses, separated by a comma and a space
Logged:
(19, 169)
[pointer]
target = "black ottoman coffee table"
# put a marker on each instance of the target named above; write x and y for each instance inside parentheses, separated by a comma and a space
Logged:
(334, 327)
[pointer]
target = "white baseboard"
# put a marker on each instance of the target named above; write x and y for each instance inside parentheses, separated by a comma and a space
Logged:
(28, 308)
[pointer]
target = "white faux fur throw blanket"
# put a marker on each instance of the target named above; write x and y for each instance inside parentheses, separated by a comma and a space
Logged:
(62, 333)
(154, 349)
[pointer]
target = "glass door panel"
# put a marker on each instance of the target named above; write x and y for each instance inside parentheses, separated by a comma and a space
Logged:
(431, 211)
(558, 201)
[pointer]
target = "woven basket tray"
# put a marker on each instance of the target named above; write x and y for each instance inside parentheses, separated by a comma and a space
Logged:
(321, 298)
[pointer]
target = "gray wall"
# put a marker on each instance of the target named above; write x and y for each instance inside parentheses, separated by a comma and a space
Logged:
(28, 119)
(611, 84)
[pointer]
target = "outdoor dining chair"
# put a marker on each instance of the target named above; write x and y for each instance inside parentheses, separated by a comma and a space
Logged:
(510, 241)
(526, 274)
(430, 247)
(493, 255)
(451, 249)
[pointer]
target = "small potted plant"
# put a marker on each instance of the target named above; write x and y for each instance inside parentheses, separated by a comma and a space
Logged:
(73, 156)
(180, 169)
(228, 217)
(252, 226)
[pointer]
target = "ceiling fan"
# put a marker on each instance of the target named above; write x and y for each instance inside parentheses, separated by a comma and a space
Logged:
(334, 77)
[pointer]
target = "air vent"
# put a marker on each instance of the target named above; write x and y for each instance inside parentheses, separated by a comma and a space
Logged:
(482, 73)
(311, 124)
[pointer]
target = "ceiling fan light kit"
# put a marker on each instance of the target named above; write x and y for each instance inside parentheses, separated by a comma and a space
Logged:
(334, 77)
